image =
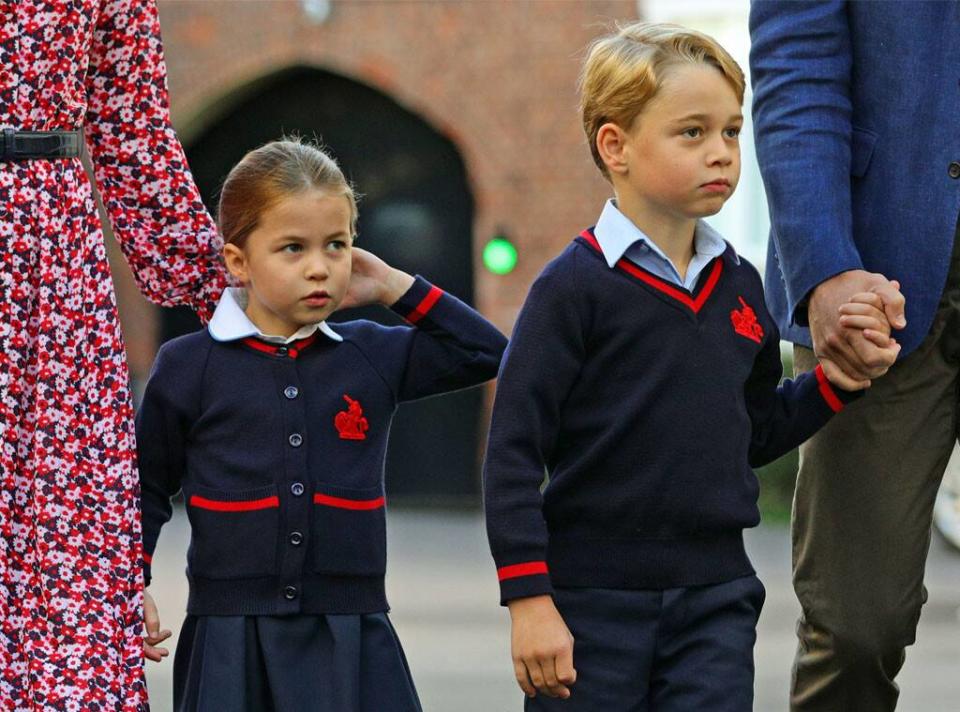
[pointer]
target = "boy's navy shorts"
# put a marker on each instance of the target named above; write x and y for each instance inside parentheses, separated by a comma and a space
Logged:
(675, 650)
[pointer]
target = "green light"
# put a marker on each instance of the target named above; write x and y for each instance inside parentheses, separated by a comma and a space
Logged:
(500, 256)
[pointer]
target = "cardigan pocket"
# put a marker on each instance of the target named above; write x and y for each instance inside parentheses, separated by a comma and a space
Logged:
(348, 532)
(233, 532)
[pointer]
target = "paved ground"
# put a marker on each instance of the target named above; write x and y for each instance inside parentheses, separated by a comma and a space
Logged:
(444, 598)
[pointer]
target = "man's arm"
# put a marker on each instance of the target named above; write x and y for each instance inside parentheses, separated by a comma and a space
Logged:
(801, 63)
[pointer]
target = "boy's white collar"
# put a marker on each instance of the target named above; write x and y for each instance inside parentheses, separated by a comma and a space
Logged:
(616, 232)
(230, 322)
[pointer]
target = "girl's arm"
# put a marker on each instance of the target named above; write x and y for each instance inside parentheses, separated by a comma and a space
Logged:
(163, 422)
(449, 346)
(166, 235)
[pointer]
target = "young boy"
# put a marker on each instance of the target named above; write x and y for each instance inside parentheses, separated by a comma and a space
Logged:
(642, 377)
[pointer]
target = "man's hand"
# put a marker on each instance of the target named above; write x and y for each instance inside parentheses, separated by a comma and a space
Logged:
(154, 636)
(848, 350)
(542, 647)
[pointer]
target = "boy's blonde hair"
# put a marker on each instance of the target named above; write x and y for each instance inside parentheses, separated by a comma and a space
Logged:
(271, 173)
(623, 71)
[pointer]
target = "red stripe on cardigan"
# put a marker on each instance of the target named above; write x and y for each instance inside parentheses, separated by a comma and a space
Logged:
(341, 503)
(426, 304)
(293, 349)
(243, 506)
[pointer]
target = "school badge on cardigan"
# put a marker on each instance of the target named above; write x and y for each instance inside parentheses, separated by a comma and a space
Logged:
(350, 423)
(745, 322)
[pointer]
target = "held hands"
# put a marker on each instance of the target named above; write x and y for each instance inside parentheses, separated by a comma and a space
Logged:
(154, 636)
(373, 281)
(851, 336)
(542, 647)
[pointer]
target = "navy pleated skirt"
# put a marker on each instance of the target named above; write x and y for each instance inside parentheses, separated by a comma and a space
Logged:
(321, 663)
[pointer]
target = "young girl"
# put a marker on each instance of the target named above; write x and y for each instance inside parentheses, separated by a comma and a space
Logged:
(274, 425)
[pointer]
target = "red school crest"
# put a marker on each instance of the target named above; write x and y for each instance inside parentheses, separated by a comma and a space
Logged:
(350, 423)
(745, 322)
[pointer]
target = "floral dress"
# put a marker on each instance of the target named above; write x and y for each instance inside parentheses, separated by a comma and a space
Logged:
(70, 572)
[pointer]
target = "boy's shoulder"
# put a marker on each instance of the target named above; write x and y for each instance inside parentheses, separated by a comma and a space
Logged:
(741, 266)
(565, 268)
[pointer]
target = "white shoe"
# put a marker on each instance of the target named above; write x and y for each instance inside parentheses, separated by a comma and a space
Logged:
(946, 515)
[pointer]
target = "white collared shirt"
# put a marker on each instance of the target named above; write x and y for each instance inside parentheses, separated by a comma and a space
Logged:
(619, 237)
(230, 322)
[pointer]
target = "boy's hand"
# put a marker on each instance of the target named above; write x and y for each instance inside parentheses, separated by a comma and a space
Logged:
(154, 636)
(864, 312)
(373, 281)
(542, 647)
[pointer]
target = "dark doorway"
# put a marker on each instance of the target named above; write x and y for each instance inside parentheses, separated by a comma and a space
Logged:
(416, 211)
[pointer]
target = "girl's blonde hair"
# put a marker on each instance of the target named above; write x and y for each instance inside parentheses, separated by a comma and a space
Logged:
(624, 70)
(270, 173)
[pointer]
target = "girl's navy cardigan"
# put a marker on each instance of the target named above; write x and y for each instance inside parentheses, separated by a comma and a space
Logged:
(279, 452)
(646, 405)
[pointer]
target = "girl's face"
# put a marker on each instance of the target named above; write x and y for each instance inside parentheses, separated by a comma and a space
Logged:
(296, 263)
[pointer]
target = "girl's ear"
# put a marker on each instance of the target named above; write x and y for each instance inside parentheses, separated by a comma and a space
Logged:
(611, 145)
(236, 262)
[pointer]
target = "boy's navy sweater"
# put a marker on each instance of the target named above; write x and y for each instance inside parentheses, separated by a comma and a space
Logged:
(646, 406)
(279, 452)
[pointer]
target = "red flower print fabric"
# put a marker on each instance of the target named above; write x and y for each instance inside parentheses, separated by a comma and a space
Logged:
(70, 579)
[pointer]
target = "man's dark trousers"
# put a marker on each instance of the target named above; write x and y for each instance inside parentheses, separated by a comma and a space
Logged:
(861, 521)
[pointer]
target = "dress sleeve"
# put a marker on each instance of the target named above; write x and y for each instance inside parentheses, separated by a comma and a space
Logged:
(164, 230)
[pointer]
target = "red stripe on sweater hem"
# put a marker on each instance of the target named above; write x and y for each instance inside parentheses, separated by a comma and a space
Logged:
(826, 390)
(531, 568)
(341, 503)
(245, 506)
(425, 305)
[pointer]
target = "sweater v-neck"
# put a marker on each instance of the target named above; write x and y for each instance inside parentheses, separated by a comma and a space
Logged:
(693, 301)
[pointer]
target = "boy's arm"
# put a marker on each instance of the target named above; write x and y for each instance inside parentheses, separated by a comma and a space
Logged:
(785, 415)
(540, 366)
(163, 421)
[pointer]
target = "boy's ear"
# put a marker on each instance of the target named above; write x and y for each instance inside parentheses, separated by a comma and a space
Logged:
(236, 262)
(611, 142)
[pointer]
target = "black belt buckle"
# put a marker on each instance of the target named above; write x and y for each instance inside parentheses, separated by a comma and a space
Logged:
(8, 135)
(33, 145)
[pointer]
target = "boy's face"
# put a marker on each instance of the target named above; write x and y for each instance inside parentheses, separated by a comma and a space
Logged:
(681, 157)
(296, 264)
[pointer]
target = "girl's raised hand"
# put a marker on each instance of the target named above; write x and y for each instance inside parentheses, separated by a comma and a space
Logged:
(373, 281)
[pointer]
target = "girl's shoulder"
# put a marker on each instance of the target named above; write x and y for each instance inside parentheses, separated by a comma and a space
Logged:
(183, 350)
